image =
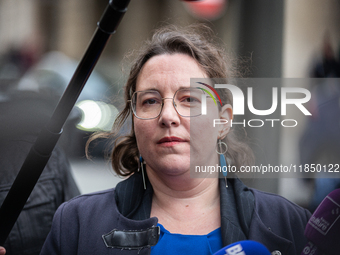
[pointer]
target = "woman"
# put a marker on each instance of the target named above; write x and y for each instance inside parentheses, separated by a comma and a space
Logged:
(160, 208)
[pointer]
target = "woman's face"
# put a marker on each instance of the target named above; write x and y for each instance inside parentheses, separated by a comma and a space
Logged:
(165, 142)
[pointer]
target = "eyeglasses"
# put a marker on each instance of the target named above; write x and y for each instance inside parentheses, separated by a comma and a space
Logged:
(148, 104)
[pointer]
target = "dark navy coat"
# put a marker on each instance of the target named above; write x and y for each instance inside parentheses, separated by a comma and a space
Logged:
(84, 225)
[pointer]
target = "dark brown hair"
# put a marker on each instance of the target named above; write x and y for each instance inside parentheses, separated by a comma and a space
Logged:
(196, 41)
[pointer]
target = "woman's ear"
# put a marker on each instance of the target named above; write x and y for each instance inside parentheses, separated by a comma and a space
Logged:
(226, 113)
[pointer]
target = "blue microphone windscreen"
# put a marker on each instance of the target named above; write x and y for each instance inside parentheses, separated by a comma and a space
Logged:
(244, 248)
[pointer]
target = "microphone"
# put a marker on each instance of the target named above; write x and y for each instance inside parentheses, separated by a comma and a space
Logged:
(247, 247)
(323, 228)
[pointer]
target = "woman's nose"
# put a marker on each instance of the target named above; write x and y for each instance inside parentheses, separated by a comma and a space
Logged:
(169, 116)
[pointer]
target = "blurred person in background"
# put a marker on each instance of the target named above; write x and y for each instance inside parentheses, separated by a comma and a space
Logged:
(23, 114)
(160, 208)
(329, 65)
(320, 141)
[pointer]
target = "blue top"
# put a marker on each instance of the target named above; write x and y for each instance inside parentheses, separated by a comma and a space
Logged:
(170, 243)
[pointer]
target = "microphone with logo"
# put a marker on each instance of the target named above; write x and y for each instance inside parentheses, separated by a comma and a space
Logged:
(247, 247)
(323, 228)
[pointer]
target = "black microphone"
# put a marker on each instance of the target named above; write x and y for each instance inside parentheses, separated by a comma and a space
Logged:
(323, 228)
(244, 248)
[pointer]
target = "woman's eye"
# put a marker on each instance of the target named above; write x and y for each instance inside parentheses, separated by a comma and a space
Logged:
(150, 101)
(190, 100)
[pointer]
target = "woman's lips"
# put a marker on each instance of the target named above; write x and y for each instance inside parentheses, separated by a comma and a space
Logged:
(170, 141)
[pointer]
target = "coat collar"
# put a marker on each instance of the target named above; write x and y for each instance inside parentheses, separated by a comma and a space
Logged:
(240, 219)
(237, 203)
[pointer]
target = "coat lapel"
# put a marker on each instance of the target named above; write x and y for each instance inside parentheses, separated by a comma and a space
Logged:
(132, 200)
(237, 205)
(260, 233)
